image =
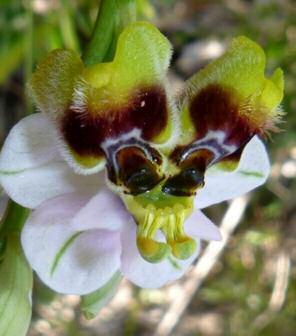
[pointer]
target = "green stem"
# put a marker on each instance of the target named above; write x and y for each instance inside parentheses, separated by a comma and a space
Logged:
(113, 16)
(98, 46)
(14, 218)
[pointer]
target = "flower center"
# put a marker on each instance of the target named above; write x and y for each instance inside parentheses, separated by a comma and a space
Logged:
(156, 211)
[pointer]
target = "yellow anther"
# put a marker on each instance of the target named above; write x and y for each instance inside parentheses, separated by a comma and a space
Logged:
(166, 215)
(152, 250)
(183, 248)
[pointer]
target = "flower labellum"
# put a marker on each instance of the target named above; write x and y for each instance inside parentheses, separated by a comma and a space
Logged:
(163, 161)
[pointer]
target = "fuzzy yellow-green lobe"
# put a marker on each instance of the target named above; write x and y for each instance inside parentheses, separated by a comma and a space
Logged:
(241, 68)
(90, 105)
(141, 61)
(142, 58)
(240, 73)
(52, 87)
(52, 83)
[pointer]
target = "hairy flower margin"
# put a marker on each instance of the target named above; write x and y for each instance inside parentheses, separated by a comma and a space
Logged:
(164, 161)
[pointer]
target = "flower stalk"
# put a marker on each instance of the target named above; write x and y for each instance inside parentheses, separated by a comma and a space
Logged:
(11, 223)
(13, 220)
(113, 16)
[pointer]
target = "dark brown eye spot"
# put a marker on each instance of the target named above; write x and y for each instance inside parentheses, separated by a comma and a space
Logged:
(199, 159)
(185, 183)
(191, 175)
(137, 173)
(85, 131)
(216, 108)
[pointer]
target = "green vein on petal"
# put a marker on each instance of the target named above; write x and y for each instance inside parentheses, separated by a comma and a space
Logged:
(15, 172)
(174, 263)
(251, 173)
(62, 251)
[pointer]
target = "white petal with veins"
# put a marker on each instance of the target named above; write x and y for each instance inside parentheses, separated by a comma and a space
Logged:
(31, 169)
(29, 144)
(69, 261)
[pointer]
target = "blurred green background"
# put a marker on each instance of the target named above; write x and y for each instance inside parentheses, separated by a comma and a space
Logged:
(252, 288)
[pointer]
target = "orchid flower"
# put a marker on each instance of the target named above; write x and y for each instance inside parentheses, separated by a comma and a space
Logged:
(117, 172)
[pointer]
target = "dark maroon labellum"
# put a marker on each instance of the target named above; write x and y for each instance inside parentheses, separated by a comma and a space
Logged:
(215, 108)
(85, 131)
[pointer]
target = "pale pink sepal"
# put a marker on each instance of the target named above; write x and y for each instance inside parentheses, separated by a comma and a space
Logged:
(105, 210)
(200, 226)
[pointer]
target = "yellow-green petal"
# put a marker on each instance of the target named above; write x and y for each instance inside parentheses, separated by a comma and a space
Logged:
(138, 71)
(240, 74)
(52, 83)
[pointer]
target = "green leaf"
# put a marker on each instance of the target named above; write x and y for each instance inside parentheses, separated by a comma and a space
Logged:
(15, 290)
(92, 303)
(14, 219)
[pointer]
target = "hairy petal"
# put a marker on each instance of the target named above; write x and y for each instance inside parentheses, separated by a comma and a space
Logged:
(52, 87)
(224, 105)
(67, 260)
(53, 82)
(91, 105)
(122, 99)
(222, 184)
(233, 95)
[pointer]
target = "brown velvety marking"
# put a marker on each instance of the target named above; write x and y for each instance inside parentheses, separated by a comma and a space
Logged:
(146, 110)
(215, 108)
(136, 172)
